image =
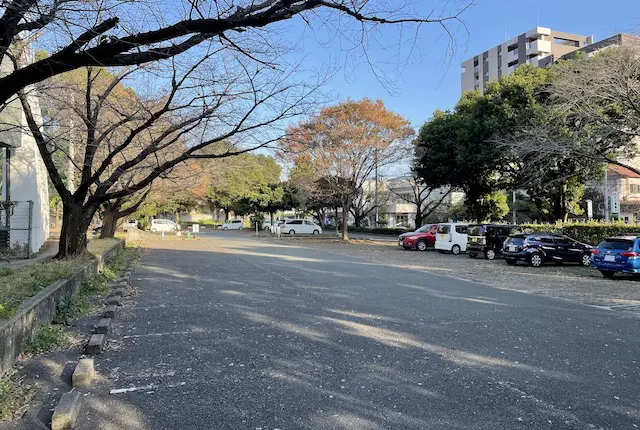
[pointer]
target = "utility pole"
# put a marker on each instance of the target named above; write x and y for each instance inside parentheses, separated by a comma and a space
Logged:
(607, 216)
(514, 207)
(375, 190)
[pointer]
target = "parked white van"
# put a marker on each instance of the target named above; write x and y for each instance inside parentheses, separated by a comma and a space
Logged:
(159, 225)
(452, 237)
(232, 224)
(300, 226)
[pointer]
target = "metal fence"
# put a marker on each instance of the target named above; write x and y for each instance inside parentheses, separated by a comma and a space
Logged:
(16, 228)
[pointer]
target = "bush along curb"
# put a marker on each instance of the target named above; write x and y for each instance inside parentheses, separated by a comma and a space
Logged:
(68, 408)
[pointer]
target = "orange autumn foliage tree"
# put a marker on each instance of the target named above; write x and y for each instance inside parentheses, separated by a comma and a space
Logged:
(346, 143)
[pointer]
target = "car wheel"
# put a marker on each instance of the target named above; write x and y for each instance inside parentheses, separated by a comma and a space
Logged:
(421, 245)
(511, 262)
(316, 232)
(473, 255)
(225, 228)
(609, 274)
(535, 260)
(292, 232)
(154, 230)
(586, 260)
(455, 249)
(490, 254)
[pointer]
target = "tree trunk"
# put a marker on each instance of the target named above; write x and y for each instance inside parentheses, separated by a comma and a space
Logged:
(73, 236)
(418, 220)
(345, 218)
(109, 223)
(226, 214)
(357, 220)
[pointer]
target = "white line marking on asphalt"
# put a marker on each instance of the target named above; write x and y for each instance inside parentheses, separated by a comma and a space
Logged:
(157, 334)
(143, 388)
(127, 390)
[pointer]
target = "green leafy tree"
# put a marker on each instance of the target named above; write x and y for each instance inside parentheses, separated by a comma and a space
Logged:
(462, 149)
(245, 184)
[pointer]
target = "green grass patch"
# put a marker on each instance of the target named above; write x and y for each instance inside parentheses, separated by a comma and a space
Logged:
(17, 285)
(14, 398)
(48, 337)
(20, 283)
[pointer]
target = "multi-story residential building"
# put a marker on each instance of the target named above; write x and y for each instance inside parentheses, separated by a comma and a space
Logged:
(539, 46)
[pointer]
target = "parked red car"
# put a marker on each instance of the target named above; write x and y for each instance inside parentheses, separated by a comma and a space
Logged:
(421, 239)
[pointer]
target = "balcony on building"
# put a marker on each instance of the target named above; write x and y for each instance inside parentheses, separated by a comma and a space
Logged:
(538, 47)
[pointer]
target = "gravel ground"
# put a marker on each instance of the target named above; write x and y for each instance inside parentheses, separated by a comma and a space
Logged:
(569, 282)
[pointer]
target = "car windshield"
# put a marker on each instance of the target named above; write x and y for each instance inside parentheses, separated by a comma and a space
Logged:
(425, 228)
(476, 230)
(444, 228)
(617, 244)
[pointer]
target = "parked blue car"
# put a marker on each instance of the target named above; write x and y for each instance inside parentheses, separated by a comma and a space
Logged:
(617, 254)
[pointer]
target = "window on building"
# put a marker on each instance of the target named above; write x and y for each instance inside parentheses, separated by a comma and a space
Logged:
(512, 47)
(475, 62)
(566, 42)
(513, 63)
(634, 188)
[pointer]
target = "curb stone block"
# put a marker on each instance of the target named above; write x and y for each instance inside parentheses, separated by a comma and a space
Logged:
(117, 292)
(83, 374)
(104, 326)
(113, 301)
(95, 345)
(66, 412)
(109, 312)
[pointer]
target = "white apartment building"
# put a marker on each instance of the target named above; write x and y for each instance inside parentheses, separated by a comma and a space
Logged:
(396, 201)
(539, 46)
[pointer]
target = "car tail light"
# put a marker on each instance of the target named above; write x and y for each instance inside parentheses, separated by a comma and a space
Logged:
(595, 251)
(629, 254)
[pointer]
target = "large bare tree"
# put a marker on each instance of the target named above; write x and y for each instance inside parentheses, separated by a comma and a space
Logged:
(592, 112)
(82, 33)
(125, 142)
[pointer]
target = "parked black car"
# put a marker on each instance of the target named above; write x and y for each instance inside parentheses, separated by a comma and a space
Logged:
(538, 248)
(488, 239)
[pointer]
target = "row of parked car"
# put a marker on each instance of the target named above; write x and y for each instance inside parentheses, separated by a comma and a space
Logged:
(613, 255)
(287, 226)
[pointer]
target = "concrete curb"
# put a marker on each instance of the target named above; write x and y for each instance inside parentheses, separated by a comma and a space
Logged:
(66, 412)
(109, 312)
(104, 326)
(83, 374)
(41, 309)
(95, 345)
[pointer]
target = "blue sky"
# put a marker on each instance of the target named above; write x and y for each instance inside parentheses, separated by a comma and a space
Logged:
(430, 80)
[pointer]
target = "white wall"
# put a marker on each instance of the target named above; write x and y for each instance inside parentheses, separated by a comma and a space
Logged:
(29, 181)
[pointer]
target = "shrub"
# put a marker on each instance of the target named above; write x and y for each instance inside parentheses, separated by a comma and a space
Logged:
(379, 230)
(47, 338)
(591, 232)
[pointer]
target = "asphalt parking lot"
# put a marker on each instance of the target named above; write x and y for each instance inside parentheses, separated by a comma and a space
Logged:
(568, 281)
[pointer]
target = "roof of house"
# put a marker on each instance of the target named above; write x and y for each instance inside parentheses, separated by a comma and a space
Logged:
(623, 171)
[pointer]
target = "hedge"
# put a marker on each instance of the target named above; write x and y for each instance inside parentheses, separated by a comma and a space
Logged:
(592, 232)
(379, 230)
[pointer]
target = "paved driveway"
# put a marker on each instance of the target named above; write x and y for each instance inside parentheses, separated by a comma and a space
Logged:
(231, 332)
